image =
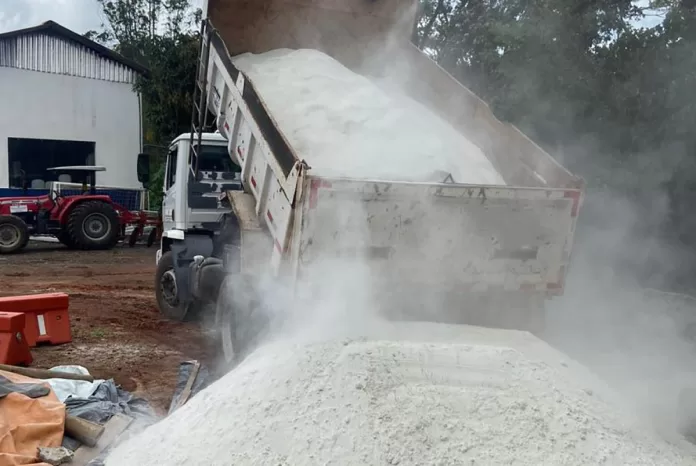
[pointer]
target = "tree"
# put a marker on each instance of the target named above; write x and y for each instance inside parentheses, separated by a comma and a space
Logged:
(585, 78)
(568, 71)
(162, 35)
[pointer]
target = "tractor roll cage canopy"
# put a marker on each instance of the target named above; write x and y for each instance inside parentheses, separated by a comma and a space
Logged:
(81, 174)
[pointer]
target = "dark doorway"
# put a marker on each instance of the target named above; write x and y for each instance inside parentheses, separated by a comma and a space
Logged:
(29, 159)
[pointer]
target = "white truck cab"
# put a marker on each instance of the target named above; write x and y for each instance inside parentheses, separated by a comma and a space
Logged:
(194, 208)
(190, 203)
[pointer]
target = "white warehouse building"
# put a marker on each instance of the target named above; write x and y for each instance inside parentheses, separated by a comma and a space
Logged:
(66, 100)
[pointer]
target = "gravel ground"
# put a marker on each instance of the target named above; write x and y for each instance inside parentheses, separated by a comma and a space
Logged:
(116, 328)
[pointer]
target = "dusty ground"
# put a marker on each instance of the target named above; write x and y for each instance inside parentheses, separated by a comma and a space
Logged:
(116, 328)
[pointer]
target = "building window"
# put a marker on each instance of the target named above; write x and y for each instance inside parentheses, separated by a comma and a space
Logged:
(30, 159)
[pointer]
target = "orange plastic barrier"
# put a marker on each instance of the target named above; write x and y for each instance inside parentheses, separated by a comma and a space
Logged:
(47, 318)
(13, 345)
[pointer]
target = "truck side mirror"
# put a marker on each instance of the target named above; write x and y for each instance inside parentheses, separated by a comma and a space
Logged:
(143, 168)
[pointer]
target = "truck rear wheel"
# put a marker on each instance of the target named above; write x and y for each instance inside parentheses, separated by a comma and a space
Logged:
(166, 290)
(93, 225)
(239, 316)
(14, 234)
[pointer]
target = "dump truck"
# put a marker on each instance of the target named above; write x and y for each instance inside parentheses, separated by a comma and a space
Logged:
(243, 209)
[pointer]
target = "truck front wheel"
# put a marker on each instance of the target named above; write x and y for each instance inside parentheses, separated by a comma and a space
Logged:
(239, 316)
(166, 290)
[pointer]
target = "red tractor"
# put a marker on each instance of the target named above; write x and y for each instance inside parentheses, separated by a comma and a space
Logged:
(87, 221)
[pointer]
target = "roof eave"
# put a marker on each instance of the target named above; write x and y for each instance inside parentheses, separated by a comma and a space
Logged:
(53, 28)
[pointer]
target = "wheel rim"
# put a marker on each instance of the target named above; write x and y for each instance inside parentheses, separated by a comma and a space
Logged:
(168, 288)
(10, 236)
(96, 226)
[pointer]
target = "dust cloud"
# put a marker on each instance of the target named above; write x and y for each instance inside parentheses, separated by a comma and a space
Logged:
(627, 312)
(609, 319)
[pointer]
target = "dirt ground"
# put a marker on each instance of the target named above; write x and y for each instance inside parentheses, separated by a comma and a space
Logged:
(116, 328)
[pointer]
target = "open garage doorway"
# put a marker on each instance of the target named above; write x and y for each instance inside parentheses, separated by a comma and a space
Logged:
(30, 159)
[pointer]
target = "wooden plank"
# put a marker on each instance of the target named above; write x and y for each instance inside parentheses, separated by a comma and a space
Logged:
(186, 392)
(112, 429)
(86, 432)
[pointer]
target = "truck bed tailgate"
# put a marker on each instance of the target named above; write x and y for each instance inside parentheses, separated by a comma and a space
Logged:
(452, 237)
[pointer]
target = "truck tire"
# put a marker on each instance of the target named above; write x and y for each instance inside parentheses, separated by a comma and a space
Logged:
(93, 225)
(240, 317)
(14, 234)
(166, 290)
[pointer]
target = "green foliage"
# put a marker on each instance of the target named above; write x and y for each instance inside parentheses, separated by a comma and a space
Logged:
(163, 36)
(583, 78)
(156, 186)
(601, 84)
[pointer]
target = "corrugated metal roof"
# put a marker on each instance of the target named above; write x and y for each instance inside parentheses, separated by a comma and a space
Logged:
(52, 48)
(53, 54)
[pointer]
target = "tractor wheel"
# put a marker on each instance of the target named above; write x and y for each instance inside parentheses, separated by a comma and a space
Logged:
(93, 225)
(64, 238)
(166, 290)
(14, 234)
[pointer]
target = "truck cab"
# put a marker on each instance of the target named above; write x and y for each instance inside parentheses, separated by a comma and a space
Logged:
(194, 213)
(190, 203)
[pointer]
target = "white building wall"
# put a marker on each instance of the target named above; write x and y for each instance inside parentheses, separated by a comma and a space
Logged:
(35, 104)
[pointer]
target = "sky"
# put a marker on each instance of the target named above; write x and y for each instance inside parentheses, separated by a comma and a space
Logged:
(77, 15)
(84, 15)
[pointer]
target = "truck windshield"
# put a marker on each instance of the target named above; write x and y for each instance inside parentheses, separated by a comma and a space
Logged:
(216, 159)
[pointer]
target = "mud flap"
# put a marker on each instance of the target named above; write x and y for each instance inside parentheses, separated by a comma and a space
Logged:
(184, 252)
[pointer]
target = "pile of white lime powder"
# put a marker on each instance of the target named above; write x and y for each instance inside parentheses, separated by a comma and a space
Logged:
(345, 125)
(463, 395)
